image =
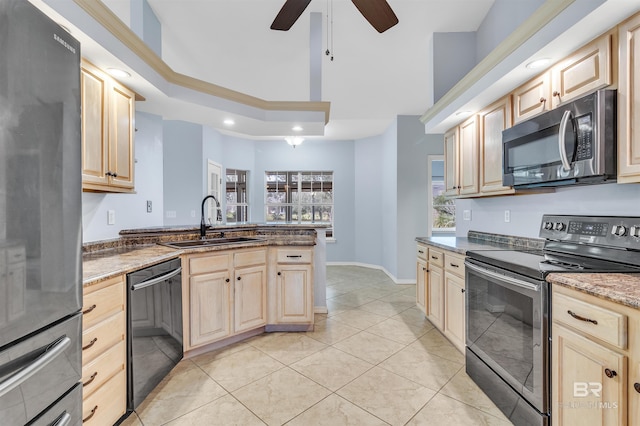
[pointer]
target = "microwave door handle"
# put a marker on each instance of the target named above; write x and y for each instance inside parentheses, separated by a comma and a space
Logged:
(561, 145)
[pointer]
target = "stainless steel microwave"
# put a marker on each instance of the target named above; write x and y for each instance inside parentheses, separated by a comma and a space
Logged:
(572, 144)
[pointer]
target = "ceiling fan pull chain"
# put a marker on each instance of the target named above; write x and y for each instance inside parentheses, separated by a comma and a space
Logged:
(331, 30)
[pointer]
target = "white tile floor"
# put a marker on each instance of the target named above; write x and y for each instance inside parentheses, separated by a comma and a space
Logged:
(373, 360)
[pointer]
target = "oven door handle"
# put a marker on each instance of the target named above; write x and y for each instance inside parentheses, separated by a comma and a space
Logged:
(156, 280)
(566, 117)
(513, 281)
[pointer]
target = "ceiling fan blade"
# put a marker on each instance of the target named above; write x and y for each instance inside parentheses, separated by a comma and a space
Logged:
(378, 13)
(289, 14)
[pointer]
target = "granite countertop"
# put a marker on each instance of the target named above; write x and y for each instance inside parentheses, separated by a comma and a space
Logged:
(140, 248)
(103, 264)
(619, 288)
(481, 241)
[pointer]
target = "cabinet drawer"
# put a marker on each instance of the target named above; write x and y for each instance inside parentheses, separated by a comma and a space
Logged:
(101, 369)
(107, 404)
(208, 264)
(102, 303)
(294, 256)
(604, 324)
(421, 252)
(249, 258)
(436, 257)
(454, 264)
(97, 339)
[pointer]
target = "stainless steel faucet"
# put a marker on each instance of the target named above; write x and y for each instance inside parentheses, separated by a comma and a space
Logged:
(203, 225)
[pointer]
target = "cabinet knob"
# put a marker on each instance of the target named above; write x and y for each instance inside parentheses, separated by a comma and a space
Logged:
(279, 273)
(90, 344)
(93, 412)
(91, 379)
(636, 386)
(239, 278)
(542, 100)
(610, 373)
(89, 309)
(462, 290)
(227, 280)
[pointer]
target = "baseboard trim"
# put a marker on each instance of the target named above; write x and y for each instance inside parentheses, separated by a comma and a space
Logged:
(371, 266)
(320, 310)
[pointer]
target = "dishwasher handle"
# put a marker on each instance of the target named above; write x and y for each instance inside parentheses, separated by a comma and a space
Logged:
(156, 280)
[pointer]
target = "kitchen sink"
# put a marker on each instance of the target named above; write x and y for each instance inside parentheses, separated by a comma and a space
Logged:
(210, 242)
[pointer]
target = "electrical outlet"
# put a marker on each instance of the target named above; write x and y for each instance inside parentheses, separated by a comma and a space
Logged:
(193, 213)
(111, 217)
(466, 215)
(507, 215)
(149, 206)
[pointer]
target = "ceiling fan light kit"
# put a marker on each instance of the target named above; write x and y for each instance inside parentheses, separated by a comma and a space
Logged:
(294, 140)
(377, 12)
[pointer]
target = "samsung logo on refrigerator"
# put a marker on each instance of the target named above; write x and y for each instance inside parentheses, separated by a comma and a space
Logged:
(60, 40)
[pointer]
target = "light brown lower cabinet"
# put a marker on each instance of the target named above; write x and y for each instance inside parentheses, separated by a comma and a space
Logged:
(440, 291)
(595, 360)
(224, 294)
(104, 352)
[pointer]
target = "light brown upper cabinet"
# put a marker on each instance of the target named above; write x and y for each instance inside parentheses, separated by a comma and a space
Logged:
(587, 69)
(451, 162)
(628, 101)
(468, 157)
(492, 121)
(532, 98)
(107, 132)
(461, 159)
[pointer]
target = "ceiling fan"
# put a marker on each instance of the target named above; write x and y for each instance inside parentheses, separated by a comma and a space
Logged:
(377, 12)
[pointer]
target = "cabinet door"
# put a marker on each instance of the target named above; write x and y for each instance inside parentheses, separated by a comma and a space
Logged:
(94, 125)
(121, 159)
(468, 157)
(451, 162)
(294, 301)
(584, 71)
(532, 98)
(422, 277)
(454, 310)
(582, 393)
(435, 302)
(210, 318)
(629, 101)
(493, 120)
(250, 298)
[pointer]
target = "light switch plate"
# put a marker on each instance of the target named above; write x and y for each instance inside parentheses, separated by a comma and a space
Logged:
(466, 215)
(111, 217)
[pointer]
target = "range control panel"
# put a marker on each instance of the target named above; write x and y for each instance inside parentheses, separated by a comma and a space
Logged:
(623, 232)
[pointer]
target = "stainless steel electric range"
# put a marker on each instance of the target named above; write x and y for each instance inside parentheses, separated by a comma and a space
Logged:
(508, 306)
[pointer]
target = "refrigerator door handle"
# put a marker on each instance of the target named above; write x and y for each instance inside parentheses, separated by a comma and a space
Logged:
(63, 420)
(24, 372)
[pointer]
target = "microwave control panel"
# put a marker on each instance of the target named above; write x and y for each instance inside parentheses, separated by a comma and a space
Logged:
(584, 137)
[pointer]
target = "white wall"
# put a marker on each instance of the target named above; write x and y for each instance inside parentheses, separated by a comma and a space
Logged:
(527, 210)
(131, 209)
(183, 172)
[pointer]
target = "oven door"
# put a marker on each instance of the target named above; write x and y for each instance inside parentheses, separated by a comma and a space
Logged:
(507, 328)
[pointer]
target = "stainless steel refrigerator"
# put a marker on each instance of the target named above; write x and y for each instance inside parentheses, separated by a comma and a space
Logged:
(40, 220)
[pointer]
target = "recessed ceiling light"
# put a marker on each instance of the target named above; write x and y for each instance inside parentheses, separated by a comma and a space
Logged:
(118, 72)
(229, 122)
(297, 128)
(538, 63)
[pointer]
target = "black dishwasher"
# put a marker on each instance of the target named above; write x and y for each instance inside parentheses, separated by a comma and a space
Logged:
(154, 319)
